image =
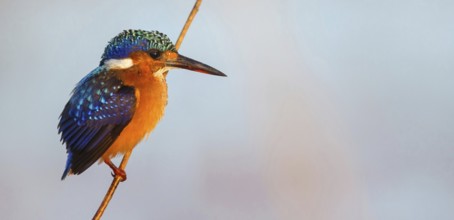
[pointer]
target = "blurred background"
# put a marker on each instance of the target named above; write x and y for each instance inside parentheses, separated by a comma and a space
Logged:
(332, 110)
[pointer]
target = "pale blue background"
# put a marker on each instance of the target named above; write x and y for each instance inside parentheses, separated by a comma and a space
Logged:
(332, 110)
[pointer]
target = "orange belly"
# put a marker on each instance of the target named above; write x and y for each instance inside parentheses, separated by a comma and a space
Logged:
(150, 105)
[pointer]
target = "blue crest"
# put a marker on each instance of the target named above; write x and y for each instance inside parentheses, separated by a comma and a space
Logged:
(129, 41)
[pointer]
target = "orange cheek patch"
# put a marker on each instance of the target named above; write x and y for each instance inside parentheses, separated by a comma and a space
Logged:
(169, 55)
(142, 71)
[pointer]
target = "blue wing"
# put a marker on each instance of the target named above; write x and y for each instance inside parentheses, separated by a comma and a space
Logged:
(99, 109)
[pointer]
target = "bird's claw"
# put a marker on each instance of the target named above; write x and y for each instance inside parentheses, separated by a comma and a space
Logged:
(119, 172)
(116, 171)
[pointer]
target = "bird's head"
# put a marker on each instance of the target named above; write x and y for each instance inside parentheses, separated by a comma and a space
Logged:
(149, 49)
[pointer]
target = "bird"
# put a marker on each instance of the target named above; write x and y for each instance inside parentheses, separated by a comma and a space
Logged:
(121, 101)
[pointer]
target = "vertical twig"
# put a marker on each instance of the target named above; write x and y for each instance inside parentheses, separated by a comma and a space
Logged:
(191, 16)
(124, 161)
(112, 188)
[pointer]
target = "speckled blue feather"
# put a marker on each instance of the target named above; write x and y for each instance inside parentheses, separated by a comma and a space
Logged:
(134, 40)
(97, 99)
(98, 110)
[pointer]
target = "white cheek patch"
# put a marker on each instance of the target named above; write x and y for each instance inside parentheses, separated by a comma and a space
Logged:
(161, 71)
(118, 63)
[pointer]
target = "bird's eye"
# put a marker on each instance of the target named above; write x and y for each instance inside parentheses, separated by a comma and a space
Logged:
(154, 53)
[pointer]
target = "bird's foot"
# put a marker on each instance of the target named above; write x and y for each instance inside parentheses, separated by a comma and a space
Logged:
(119, 172)
(116, 171)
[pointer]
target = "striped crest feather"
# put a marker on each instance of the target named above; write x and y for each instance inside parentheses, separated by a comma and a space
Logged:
(130, 41)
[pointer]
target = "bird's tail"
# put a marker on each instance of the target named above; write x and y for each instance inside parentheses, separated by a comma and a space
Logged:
(68, 166)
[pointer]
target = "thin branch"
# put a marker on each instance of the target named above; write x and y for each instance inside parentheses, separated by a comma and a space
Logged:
(191, 16)
(112, 188)
(117, 179)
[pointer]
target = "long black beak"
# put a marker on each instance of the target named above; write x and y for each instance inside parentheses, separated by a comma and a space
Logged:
(190, 64)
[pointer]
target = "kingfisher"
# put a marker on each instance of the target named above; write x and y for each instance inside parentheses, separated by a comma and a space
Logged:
(120, 102)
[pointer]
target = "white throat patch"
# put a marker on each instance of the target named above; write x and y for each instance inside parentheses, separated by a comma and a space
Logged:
(161, 71)
(118, 63)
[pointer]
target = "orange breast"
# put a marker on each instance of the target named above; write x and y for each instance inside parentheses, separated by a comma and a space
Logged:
(151, 94)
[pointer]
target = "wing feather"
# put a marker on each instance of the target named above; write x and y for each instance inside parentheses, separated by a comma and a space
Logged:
(98, 110)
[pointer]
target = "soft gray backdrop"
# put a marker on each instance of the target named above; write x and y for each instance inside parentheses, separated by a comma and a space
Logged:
(332, 110)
